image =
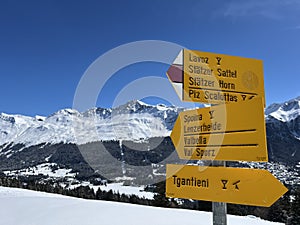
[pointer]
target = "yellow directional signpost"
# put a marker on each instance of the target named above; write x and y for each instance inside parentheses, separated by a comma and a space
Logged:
(223, 132)
(216, 78)
(231, 185)
(231, 132)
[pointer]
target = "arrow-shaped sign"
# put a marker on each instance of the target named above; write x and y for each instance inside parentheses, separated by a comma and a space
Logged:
(216, 78)
(220, 184)
(231, 132)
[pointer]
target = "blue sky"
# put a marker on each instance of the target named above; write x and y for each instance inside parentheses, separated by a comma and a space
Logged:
(46, 46)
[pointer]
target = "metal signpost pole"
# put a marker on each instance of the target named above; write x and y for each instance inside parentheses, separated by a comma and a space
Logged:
(219, 209)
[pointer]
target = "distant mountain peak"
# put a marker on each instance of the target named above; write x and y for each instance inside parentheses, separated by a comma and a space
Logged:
(285, 111)
(8, 118)
(131, 106)
(138, 102)
(66, 111)
(134, 120)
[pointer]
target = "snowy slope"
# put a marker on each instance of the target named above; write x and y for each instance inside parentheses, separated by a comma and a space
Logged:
(132, 121)
(12, 126)
(284, 112)
(23, 207)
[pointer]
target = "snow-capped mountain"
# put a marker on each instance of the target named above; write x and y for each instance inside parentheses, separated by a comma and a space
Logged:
(283, 131)
(12, 126)
(33, 142)
(132, 121)
(284, 112)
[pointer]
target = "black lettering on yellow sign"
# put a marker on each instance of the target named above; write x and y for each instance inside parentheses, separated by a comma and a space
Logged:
(194, 69)
(192, 118)
(188, 152)
(205, 153)
(200, 82)
(199, 152)
(211, 113)
(199, 140)
(199, 59)
(226, 85)
(236, 185)
(194, 94)
(227, 73)
(192, 182)
(217, 96)
(218, 60)
(224, 182)
(203, 127)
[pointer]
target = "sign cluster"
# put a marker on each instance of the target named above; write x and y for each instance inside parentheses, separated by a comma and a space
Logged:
(233, 129)
(216, 78)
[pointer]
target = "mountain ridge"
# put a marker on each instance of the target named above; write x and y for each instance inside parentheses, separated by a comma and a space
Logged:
(134, 120)
(134, 134)
(132, 117)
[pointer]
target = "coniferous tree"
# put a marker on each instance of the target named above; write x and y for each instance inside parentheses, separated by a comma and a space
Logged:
(295, 209)
(279, 211)
(160, 198)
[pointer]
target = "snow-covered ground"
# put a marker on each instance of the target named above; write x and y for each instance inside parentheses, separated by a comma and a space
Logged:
(24, 207)
(127, 190)
(119, 188)
(44, 169)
